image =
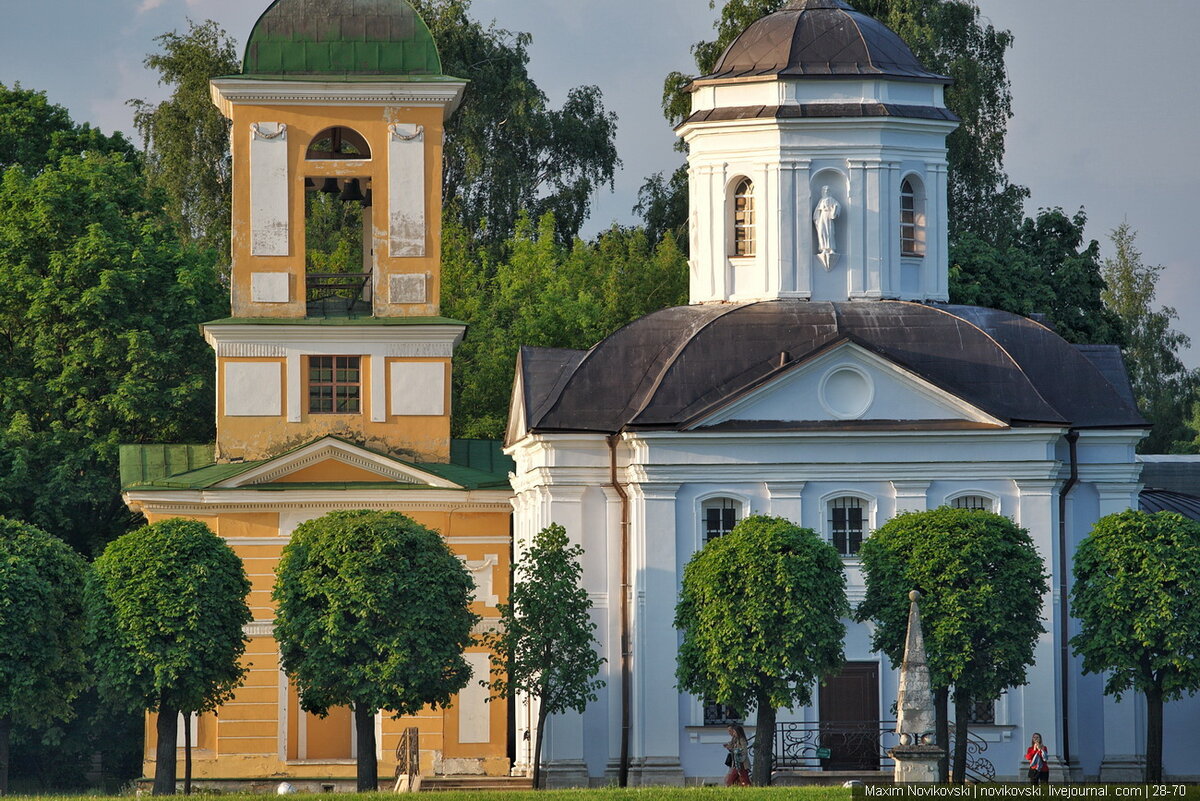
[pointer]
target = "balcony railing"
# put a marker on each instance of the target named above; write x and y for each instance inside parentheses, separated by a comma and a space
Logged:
(338, 294)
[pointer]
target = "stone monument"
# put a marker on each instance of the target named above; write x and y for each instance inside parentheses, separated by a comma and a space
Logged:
(918, 753)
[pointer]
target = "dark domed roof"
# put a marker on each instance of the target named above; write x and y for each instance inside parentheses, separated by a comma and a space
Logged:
(820, 38)
(674, 367)
(331, 39)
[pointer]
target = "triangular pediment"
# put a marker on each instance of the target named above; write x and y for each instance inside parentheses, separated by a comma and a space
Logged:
(331, 460)
(844, 384)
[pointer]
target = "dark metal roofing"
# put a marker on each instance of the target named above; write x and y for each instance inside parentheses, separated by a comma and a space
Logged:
(1111, 364)
(820, 38)
(302, 39)
(1150, 500)
(823, 110)
(672, 368)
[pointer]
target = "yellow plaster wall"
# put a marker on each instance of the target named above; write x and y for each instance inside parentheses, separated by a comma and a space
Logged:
(304, 123)
(420, 438)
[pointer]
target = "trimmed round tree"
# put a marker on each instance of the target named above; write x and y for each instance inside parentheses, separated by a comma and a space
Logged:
(41, 631)
(545, 646)
(982, 581)
(761, 612)
(1136, 591)
(373, 613)
(167, 604)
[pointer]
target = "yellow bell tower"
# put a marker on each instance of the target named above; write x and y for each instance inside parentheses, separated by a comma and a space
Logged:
(343, 105)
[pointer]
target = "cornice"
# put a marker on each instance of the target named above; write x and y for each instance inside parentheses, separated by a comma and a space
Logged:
(229, 92)
(209, 502)
(230, 337)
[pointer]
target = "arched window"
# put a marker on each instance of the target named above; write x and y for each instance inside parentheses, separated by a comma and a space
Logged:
(743, 218)
(718, 517)
(338, 142)
(973, 502)
(847, 523)
(912, 218)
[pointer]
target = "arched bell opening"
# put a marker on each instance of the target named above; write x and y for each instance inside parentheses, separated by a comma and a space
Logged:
(338, 244)
(338, 142)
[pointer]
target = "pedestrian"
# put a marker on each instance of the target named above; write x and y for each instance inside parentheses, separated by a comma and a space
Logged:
(739, 757)
(1039, 766)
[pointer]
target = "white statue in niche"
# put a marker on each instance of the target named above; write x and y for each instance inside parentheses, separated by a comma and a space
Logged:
(824, 214)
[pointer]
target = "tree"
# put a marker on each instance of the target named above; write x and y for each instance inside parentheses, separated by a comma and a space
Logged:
(186, 138)
(1137, 577)
(41, 631)
(982, 582)
(98, 341)
(544, 294)
(166, 605)
(544, 646)
(761, 613)
(507, 152)
(1165, 389)
(372, 612)
(35, 132)
(949, 37)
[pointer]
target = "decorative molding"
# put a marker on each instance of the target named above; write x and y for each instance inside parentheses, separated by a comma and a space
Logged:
(227, 92)
(259, 628)
(420, 351)
(336, 339)
(399, 134)
(332, 452)
(481, 574)
(258, 132)
(236, 350)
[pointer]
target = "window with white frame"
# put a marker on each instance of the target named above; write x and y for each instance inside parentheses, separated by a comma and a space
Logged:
(973, 502)
(912, 218)
(847, 524)
(718, 516)
(743, 218)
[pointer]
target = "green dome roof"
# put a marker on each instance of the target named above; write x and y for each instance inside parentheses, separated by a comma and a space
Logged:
(340, 39)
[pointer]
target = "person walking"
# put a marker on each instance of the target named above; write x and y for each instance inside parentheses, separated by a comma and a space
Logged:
(1039, 766)
(739, 757)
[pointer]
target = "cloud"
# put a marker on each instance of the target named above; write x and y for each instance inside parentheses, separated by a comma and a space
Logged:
(149, 5)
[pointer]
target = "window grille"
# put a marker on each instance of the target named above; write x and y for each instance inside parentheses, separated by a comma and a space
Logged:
(847, 524)
(720, 516)
(972, 502)
(334, 384)
(743, 218)
(912, 221)
(982, 713)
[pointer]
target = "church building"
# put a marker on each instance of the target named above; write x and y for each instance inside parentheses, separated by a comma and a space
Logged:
(820, 374)
(333, 380)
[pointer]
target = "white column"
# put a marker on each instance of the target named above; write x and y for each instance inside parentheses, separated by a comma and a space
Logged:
(804, 229)
(911, 496)
(876, 261)
(654, 755)
(937, 235)
(856, 222)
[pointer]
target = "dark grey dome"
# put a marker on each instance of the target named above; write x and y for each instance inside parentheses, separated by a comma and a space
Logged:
(673, 367)
(820, 38)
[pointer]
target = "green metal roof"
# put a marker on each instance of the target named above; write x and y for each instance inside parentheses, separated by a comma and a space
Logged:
(340, 39)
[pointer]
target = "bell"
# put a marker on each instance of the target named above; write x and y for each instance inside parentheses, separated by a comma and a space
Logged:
(330, 186)
(351, 191)
(309, 185)
(367, 200)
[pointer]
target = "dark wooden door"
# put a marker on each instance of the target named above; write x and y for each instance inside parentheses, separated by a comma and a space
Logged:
(849, 708)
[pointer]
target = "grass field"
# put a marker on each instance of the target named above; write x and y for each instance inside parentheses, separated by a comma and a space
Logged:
(646, 794)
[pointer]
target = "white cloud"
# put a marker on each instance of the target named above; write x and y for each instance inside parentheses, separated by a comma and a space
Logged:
(149, 5)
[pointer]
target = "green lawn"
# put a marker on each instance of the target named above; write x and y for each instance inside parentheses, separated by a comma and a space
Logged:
(647, 794)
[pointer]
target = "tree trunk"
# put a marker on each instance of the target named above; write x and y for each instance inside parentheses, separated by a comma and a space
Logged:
(368, 765)
(5, 733)
(537, 747)
(1154, 735)
(187, 753)
(941, 730)
(764, 743)
(962, 711)
(167, 730)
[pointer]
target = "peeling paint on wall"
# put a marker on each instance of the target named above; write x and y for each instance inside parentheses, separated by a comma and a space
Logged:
(268, 189)
(406, 189)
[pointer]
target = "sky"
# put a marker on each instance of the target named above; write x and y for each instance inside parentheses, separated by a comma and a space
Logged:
(1106, 108)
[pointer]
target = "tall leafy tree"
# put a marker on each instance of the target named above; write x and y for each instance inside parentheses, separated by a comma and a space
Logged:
(950, 37)
(98, 341)
(507, 150)
(166, 606)
(35, 132)
(544, 646)
(1137, 577)
(1164, 387)
(544, 294)
(186, 138)
(981, 578)
(41, 631)
(761, 613)
(372, 613)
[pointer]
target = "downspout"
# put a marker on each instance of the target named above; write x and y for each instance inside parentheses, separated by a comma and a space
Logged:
(623, 774)
(1064, 616)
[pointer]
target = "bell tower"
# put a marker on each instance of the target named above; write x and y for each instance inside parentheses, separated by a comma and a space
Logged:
(337, 126)
(817, 164)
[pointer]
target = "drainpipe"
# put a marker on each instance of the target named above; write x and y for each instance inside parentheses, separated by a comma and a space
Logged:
(626, 655)
(1064, 616)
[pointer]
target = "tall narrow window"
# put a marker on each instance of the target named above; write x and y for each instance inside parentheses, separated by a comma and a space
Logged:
(847, 524)
(334, 384)
(743, 218)
(912, 219)
(720, 516)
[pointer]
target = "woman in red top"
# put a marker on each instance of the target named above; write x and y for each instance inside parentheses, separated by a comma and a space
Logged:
(1039, 766)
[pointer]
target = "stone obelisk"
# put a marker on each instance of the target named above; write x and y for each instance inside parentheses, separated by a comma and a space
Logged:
(918, 753)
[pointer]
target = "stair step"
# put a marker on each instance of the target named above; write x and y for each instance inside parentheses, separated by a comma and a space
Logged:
(435, 783)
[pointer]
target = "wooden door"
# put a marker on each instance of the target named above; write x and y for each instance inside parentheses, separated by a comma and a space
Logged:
(849, 708)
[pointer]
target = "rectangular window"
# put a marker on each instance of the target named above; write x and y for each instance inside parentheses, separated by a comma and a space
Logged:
(846, 525)
(719, 521)
(334, 384)
(983, 713)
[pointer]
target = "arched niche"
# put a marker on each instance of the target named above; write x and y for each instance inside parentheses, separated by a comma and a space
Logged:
(338, 142)
(828, 217)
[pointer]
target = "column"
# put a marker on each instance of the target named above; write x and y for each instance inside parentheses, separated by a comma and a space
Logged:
(786, 500)
(855, 218)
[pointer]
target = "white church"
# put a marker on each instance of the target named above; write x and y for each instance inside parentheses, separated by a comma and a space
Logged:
(820, 374)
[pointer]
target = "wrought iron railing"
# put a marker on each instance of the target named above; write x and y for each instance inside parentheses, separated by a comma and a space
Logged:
(858, 746)
(328, 285)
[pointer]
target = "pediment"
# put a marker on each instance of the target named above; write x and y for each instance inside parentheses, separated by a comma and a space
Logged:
(333, 460)
(844, 384)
